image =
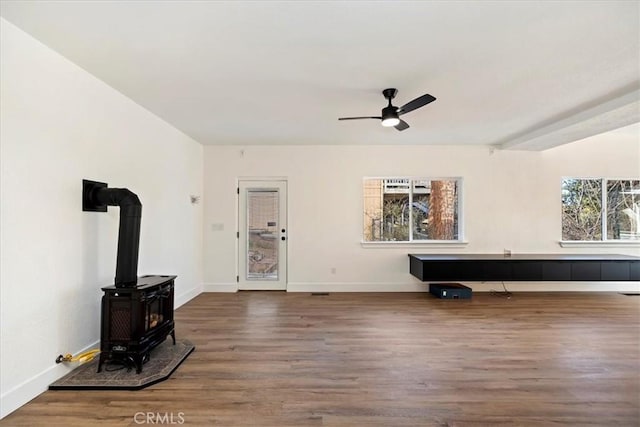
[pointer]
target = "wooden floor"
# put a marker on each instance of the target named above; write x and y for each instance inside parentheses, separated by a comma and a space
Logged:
(276, 359)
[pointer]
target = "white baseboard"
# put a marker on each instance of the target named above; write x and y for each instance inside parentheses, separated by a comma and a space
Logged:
(356, 287)
(424, 287)
(34, 386)
(220, 287)
(476, 286)
(185, 297)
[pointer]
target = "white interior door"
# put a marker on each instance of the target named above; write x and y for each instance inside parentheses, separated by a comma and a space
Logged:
(262, 235)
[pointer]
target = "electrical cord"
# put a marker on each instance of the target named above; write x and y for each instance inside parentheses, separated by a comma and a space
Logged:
(505, 294)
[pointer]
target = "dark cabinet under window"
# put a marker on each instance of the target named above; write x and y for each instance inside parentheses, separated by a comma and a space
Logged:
(532, 267)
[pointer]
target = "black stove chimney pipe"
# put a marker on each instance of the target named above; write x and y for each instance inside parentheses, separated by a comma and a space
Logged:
(128, 234)
(96, 197)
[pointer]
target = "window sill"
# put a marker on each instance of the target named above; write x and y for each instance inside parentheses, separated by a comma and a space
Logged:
(600, 244)
(431, 243)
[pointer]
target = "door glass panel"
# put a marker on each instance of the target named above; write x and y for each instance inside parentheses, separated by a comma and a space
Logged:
(262, 226)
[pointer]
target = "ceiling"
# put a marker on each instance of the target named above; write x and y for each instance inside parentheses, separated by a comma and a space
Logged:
(517, 75)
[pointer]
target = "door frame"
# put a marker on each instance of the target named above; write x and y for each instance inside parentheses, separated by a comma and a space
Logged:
(242, 184)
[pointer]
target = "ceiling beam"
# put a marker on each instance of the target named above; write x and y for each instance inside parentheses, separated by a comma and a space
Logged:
(619, 110)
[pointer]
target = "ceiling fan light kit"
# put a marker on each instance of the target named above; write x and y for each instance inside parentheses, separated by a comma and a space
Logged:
(390, 122)
(390, 113)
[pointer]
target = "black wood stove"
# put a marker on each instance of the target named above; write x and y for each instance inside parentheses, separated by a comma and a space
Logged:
(137, 312)
(135, 320)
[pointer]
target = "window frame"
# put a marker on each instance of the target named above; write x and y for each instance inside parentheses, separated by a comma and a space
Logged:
(604, 241)
(411, 242)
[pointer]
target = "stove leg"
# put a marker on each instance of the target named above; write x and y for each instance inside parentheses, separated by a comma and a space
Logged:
(137, 361)
(173, 336)
(100, 361)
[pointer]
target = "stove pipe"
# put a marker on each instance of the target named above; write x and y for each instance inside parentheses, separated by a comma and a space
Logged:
(96, 196)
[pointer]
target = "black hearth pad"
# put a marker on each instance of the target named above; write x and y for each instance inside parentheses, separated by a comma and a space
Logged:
(163, 361)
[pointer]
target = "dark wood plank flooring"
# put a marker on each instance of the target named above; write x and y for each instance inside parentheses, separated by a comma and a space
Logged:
(397, 359)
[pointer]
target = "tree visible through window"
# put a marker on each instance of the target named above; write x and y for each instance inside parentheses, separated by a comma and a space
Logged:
(581, 209)
(403, 210)
(600, 209)
(623, 210)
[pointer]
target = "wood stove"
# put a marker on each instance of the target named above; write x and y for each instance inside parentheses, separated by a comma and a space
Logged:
(137, 312)
(135, 320)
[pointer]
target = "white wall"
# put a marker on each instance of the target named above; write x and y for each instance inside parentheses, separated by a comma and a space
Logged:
(60, 125)
(511, 200)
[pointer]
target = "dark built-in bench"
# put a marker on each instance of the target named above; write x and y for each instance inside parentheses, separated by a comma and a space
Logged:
(524, 267)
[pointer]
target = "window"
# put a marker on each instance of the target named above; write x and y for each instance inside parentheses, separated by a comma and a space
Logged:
(411, 210)
(600, 209)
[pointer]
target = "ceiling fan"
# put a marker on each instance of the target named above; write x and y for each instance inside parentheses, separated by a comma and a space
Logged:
(391, 114)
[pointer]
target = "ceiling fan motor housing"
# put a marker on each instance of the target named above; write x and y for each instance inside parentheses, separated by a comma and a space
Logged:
(389, 112)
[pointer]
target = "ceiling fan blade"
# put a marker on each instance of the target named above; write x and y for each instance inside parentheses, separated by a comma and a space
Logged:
(402, 125)
(420, 101)
(358, 118)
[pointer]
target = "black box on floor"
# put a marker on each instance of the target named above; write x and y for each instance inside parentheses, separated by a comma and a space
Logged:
(450, 290)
